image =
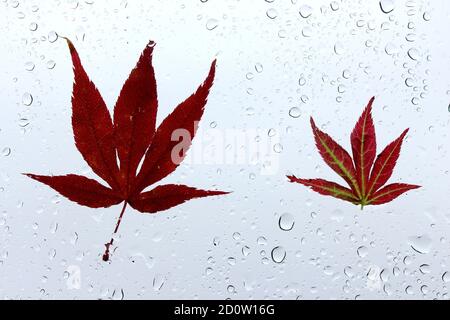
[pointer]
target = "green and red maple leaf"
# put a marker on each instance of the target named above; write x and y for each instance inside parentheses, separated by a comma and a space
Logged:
(132, 137)
(366, 176)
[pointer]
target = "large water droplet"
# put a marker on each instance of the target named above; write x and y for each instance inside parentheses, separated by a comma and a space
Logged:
(387, 6)
(413, 54)
(211, 24)
(278, 254)
(305, 11)
(272, 13)
(286, 222)
(421, 244)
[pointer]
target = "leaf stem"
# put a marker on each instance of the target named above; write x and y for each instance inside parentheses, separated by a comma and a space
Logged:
(110, 243)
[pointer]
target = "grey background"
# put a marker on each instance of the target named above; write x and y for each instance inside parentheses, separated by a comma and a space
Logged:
(346, 51)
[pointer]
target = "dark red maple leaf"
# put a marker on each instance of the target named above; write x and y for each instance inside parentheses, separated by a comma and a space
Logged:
(131, 137)
(365, 182)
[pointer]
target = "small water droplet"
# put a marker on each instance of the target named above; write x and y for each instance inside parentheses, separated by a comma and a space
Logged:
(278, 147)
(33, 26)
(51, 64)
(29, 66)
(211, 24)
(27, 99)
(231, 289)
(294, 112)
(52, 36)
(307, 32)
(362, 251)
(262, 241)
(334, 5)
(338, 48)
(425, 268)
(446, 277)
(6, 151)
(259, 67)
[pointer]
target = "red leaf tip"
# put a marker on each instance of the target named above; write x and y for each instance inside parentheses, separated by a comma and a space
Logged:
(313, 124)
(70, 44)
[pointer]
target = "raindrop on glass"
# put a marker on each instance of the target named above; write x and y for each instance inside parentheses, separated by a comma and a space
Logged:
(272, 13)
(211, 24)
(294, 112)
(278, 254)
(286, 222)
(27, 99)
(362, 251)
(387, 6)
(305, 11)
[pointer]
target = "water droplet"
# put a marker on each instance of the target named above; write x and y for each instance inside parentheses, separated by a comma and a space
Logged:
(286, 222)
(421, 244)
(305, 11)
(307, 32)
(294, 112)
(272, 132)
(346, 74)
(262, 241)
(426, 16)
(6, 151)
(278, 147)
(51, 64)
(278, 254)
(272, 13)
(52, 36)
(424, 289)
(425, 268)
(409, 82)
(211, 24)
(338, 48)
(446, 277)
(301, 81)
(27, 99)
(390, 49)
(259, 67)
(231, 289)
(409, 290)
(33, 26)
(334, 5)
(413, 53)
(387, 6)
(362, 251)
(29, 66)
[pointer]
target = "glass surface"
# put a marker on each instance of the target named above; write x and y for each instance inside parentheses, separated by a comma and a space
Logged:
(278, 63)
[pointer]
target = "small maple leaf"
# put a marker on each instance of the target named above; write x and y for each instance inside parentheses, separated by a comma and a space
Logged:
(132, 137)
(365, 182)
